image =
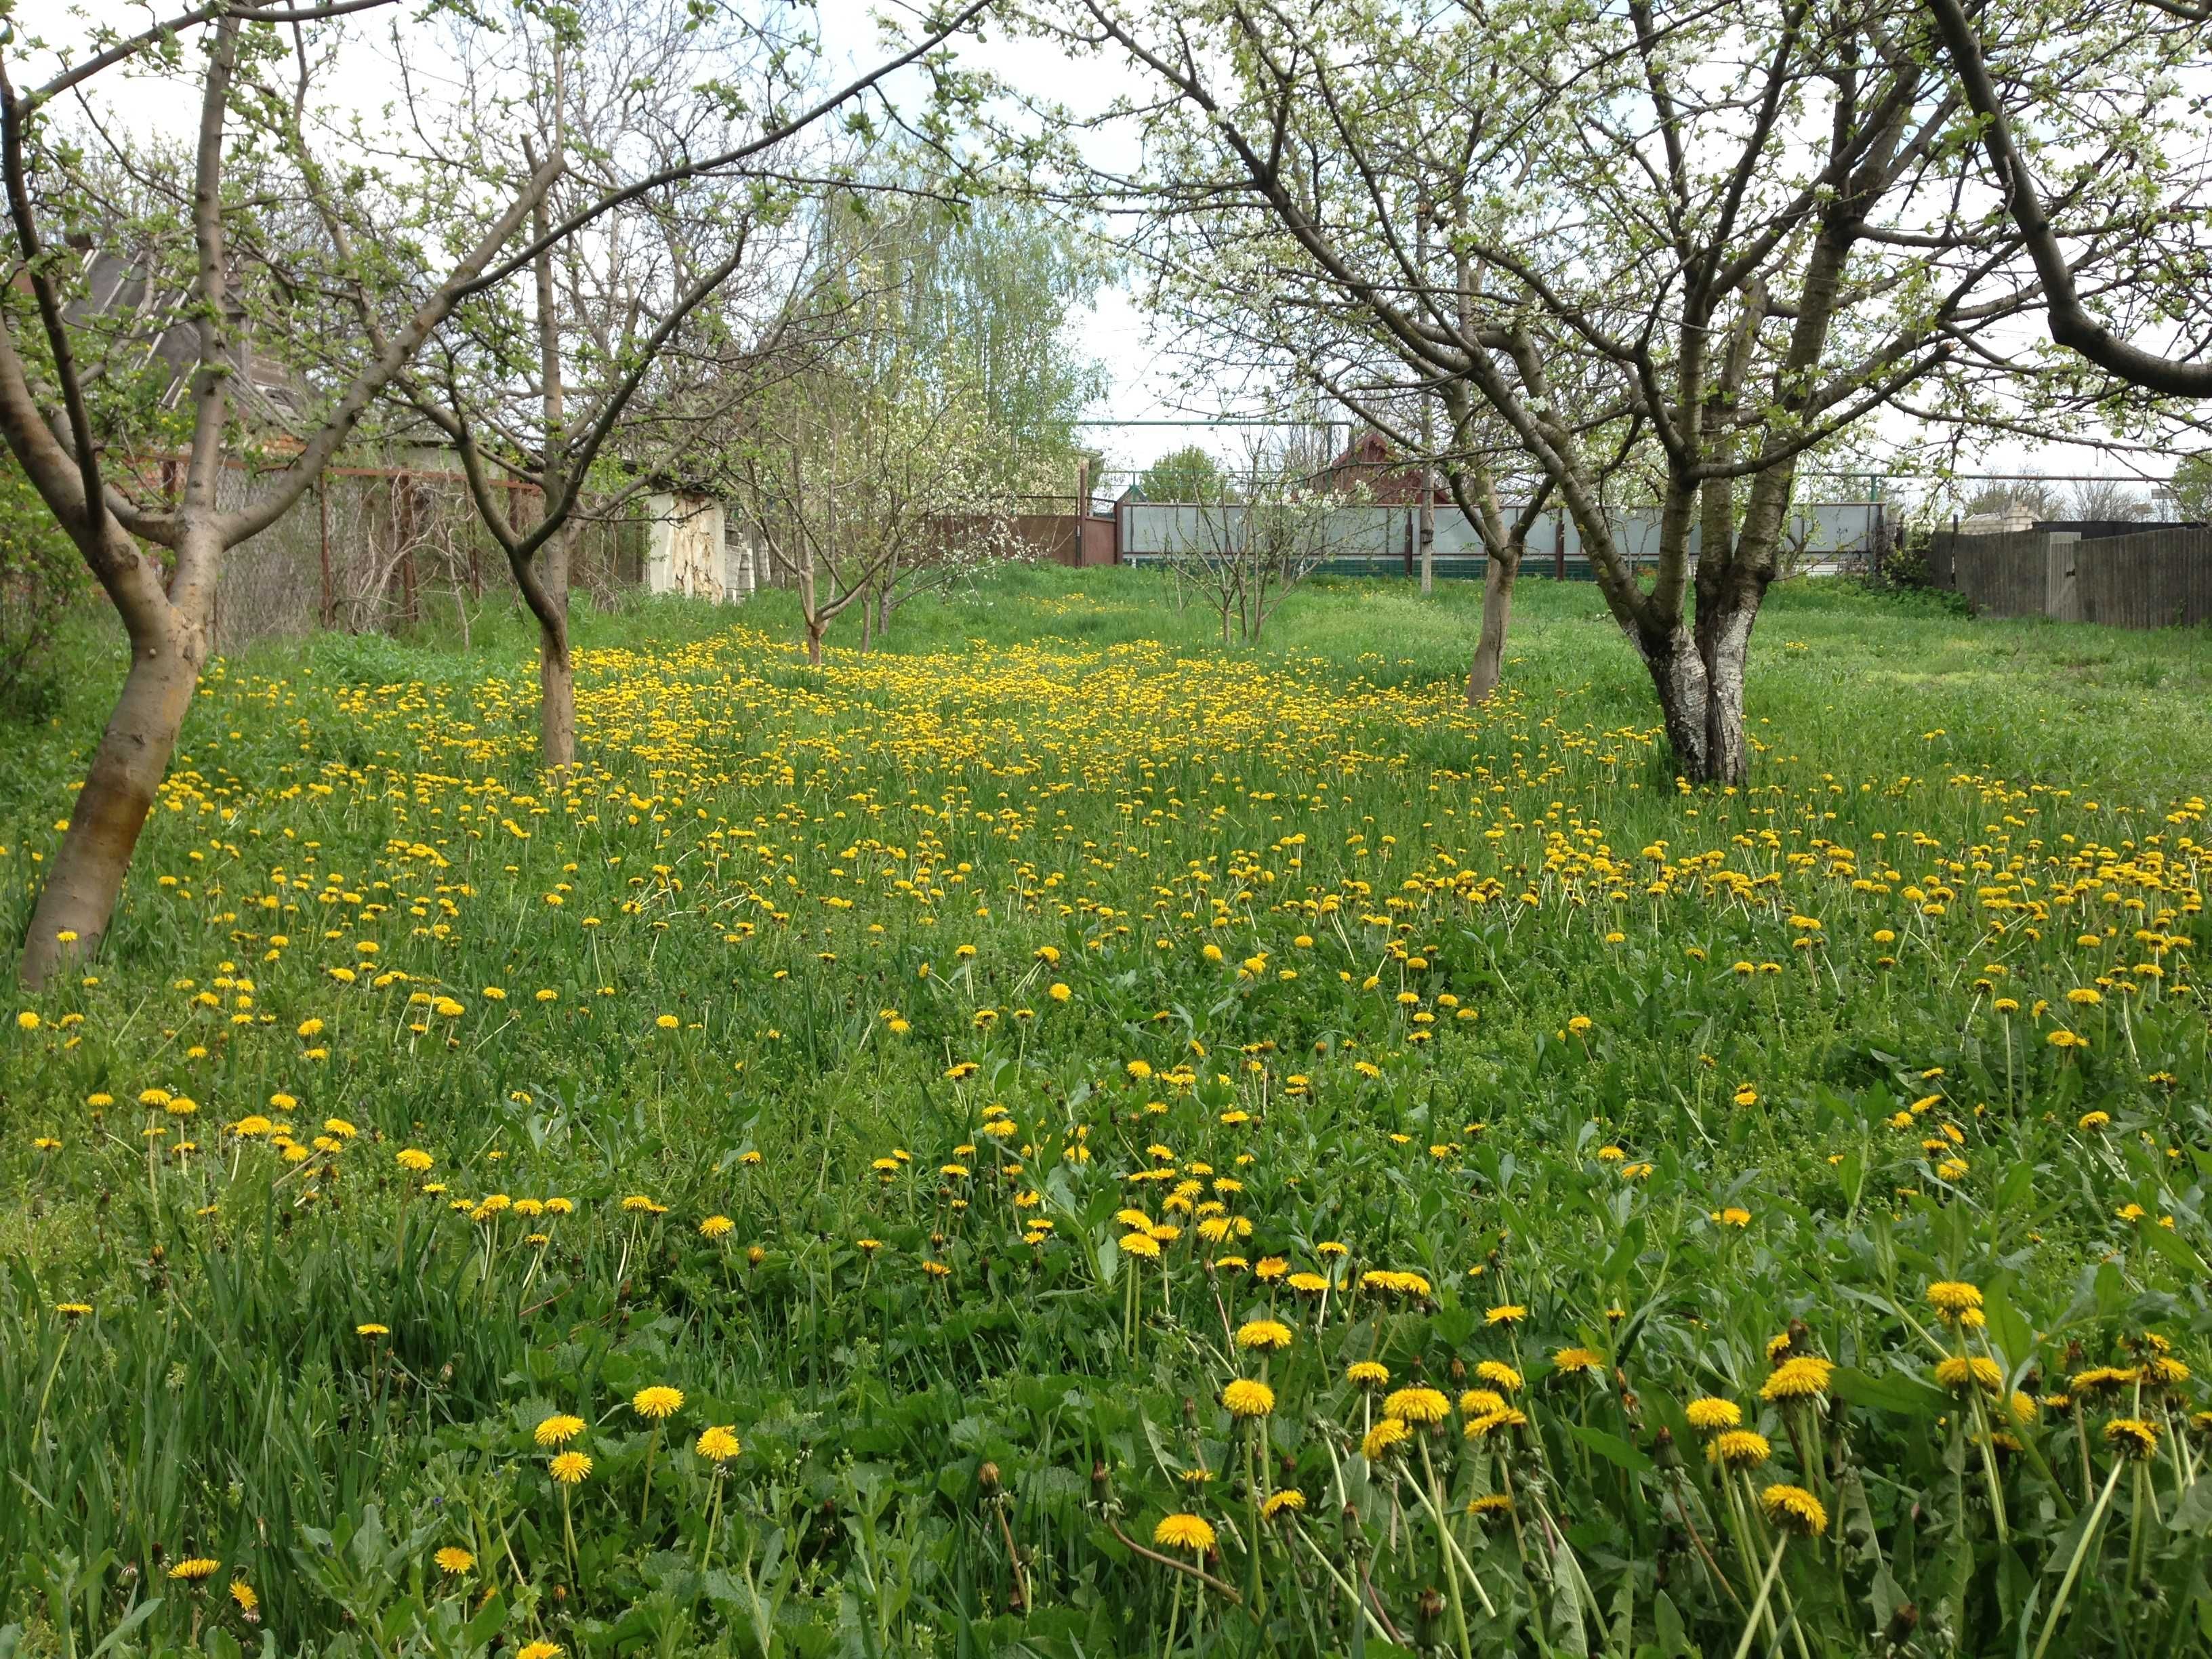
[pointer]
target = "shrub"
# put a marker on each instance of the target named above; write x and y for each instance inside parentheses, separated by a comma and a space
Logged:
(41, 578)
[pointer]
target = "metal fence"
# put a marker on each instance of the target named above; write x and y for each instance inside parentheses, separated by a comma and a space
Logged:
(1376, 539)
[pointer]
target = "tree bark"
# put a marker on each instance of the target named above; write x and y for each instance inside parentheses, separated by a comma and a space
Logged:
(556, 672)
(85, 879)
(544, 581)
(556, 694)
(1488, 668)
(1724, 642)
(1678, 676)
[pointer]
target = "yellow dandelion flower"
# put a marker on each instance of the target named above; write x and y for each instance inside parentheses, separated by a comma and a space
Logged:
(1385, 1437)
(1794, 1510)
(1963, 1371)
(1804, 1377)
(2132, 1436)
(1248, 1399)
(1263, 1335)
(1417, 1404)
(1709, 1414)
(1740, 1448)
(1183, 1532)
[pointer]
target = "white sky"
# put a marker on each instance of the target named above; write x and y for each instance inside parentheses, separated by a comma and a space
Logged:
(1139, 362)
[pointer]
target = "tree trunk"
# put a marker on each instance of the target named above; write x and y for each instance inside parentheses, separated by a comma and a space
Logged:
(556, 701)
(556, 671)
(1727, 756)
(86, 877)
(1499, 572)
(1678, 675)
(1428, 516)
(814, 641)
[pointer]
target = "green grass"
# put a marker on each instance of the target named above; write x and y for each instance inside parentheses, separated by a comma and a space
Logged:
(1288, 947)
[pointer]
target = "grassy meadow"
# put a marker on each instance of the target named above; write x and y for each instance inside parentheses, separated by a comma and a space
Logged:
(1054, 1138)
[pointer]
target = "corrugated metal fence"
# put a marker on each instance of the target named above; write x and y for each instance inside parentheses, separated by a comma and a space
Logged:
(1377, 540)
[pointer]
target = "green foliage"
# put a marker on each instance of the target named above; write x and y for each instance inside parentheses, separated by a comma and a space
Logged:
(1189, 474)
(977, 303)
(42, 579)
(2192, 486)
(1482, 996)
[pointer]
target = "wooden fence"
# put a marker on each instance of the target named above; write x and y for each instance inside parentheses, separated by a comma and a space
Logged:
(2158, 578)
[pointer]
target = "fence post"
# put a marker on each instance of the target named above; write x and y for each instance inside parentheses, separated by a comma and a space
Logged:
(2061, 594)
(327, 611)
(403, 519)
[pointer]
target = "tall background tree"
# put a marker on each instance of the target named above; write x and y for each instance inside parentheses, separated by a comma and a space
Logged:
(560, 378)
(937, 401)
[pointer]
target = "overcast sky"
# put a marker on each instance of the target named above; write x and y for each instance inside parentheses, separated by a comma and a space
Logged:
(1139, 360)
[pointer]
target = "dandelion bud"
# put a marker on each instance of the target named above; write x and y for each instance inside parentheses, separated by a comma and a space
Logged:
(987, 1479)
(1662, 1448)
(1428, 1619)
(1102, 1481)
(1458, 1372)
(1189, 1411)
(1902, 1624)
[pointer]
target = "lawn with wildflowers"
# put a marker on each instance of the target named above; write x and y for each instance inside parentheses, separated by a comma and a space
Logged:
(1054, 1138)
